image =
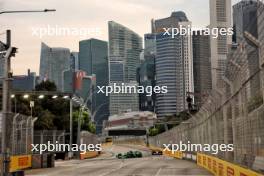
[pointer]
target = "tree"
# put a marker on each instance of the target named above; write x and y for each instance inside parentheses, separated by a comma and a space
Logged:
(45, 120)
(46, 86)
(153, 131)
(86, 123)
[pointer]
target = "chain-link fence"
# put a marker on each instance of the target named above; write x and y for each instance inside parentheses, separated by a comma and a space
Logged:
(19, 133)
(232, 114)
(237, 119)
(49, 136)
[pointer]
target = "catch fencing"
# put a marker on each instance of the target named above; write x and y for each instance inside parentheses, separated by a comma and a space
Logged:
(19, 132)
(234, 112)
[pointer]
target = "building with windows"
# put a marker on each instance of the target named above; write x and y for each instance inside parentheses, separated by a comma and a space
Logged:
(24, 82)
(146, 73)
(220, 17)
(124, 51)
(173, 65)
(74, 61)
(68, 81)
(201, 67)
(93, 59)
(125, 47)
(53, 62)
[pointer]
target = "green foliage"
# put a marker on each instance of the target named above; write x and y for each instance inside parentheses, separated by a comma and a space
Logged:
(86, 123)
(46, 86)
(51, 113)
(153, 131)
(170, 122)
(45, 120)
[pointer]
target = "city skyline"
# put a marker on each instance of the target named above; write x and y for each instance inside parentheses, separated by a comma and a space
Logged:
(137, 20)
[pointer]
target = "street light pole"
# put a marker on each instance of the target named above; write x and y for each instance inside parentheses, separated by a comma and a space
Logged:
(79, 130)
(28, 11)
(70, 152)
(6, 104)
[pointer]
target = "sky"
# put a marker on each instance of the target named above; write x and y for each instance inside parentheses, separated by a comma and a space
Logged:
(89, 14)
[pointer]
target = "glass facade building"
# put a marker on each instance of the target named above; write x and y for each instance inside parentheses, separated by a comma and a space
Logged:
(53, 62)
(125, 47)
(220, 17)
(93, 59)
(173, 65)
(75, 61)
(146, 73)
(201, 66)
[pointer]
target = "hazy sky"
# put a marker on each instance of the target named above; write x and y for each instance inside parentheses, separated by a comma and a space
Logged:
(134, 14)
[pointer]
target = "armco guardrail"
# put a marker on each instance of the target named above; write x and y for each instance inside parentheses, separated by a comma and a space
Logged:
(231, 114)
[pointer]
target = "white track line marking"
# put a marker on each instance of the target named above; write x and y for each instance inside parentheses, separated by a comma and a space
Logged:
(158, 172)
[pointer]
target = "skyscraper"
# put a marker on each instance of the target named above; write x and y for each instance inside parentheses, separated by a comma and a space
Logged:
(75, 61)
(68, 81)
(93, 59)
(220, 17)
(53, 62)
(174, 65)
(146, 73)
(125, 47)
(201, 66)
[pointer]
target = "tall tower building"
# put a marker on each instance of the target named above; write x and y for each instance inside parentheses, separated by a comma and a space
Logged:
(74, 61)
(174, 64)
(93, 59)
(125, 47)
(220, 17)
(146, 73)
(201, 66)
(68, 75)
(53, 62)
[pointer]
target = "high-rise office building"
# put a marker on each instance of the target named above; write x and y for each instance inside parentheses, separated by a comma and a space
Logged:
(93, 59)
(146, 76)
(74, 61)
(53, 62)
(68, 81)
(174, 65)
(220, 17)
(201, 66)
(125, 47)
(149, 44)
(146, 73)
(124, 102)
